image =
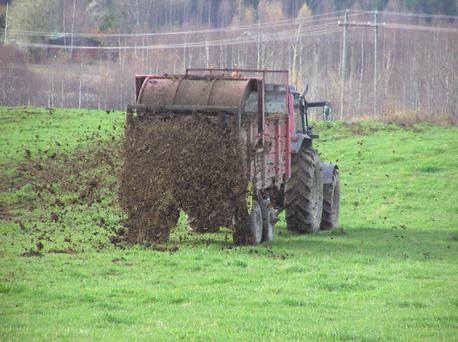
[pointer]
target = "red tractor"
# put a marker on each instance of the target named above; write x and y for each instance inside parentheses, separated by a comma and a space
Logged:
(285, 170)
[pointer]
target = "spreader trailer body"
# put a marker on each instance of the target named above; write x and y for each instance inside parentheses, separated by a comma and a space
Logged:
(284, 171)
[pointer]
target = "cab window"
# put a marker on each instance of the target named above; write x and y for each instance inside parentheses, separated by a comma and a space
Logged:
(275, 100)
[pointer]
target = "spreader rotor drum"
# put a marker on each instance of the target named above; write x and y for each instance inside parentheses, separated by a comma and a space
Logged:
(193, 91)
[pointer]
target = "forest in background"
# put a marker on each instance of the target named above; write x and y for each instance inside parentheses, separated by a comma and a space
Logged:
(85, 53)
(153, 15)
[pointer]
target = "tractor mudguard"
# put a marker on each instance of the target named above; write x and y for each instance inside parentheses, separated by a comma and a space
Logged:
(327, 171)
(296, 141)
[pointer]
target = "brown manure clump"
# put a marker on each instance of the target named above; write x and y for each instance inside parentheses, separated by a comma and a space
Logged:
(174, 162)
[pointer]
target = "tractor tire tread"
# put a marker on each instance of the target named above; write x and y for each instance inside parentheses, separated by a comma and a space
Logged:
(328, 219)
(298, 208)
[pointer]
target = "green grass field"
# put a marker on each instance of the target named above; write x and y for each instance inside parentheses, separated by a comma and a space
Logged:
(389, 273)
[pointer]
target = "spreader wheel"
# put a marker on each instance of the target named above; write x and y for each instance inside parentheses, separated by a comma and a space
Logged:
(269, 224)
(304, 193)
(331, 203)
(256, 223)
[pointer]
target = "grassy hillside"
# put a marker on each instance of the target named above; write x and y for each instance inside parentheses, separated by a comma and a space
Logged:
(389, 273)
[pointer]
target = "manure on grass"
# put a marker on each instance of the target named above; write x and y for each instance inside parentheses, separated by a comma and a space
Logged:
(174, 162)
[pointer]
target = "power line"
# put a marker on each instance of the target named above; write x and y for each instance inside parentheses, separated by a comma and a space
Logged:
(290, 34)
(409, 14)
(420, 15)
(314, 19)
(317, 25)
(279, 36)
(259, 26)
(420, 28)
(284, 34)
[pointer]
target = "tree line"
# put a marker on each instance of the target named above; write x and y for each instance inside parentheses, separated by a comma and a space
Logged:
(416, 54)
(145, 15)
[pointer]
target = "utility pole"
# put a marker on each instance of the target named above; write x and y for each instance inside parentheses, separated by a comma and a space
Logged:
(6, 25)
(374, 25)
(344, 63)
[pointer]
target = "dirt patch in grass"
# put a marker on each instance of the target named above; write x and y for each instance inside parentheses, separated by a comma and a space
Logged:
(163, 248)
(47, 192)
(31, 253)
(4, 211)
(174, 162)
(61, 251)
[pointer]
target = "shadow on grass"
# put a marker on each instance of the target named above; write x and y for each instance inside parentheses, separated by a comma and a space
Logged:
(354, 242)
(376, 242)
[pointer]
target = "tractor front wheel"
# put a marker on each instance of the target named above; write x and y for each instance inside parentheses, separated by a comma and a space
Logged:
(304, 193)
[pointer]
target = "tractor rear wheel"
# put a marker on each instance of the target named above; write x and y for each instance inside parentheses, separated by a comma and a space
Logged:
(304, 193)
(331, 203)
